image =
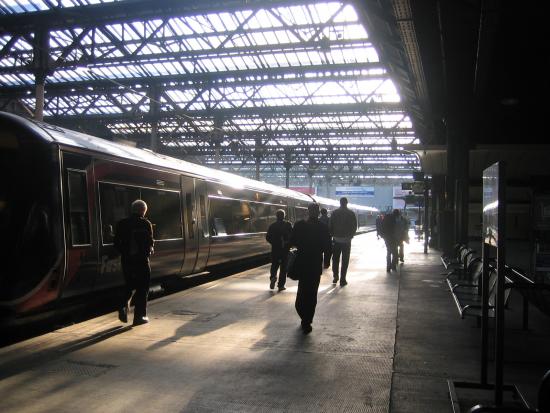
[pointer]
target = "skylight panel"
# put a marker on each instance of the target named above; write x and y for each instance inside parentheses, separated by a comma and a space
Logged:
(194, 44)
(258, 38)
(348, 14)
(7, 62)
(230, 21)
(239, 40)
(295, 15)
(217, 22)
(285, 36)
(199, 24)
(209, 65)
(356, 31)
(262, 19)
(371, 54)
(22, 44)
(180, 27)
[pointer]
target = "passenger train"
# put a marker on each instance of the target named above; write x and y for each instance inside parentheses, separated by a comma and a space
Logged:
(62, 193)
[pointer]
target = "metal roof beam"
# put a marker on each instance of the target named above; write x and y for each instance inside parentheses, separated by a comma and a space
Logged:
(117, 12)
(374, 108)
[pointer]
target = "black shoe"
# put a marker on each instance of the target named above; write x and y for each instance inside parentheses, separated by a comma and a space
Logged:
(272, 284)
(123, 314)
(141, 320)
(306, 328)
(394, 268)
(402, 260)
(335, 280)
(343, 283)
(281, 288)
(388, 269)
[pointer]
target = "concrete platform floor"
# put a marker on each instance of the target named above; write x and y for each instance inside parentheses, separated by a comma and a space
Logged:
(384, 343)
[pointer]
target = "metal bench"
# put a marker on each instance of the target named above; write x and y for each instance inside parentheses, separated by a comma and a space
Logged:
(537, 294)
(452, 258)
(460, 266)
(467, 297)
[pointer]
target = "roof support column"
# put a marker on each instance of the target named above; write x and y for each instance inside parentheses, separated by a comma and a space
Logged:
(217, 137)
(41, 68)
(287, 164)
(154, 109)
(310, 173)
(258, 154)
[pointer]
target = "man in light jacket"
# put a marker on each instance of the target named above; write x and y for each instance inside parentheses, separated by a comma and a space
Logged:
(343, 225)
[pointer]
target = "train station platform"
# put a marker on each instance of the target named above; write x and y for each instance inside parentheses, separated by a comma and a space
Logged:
(387, 342)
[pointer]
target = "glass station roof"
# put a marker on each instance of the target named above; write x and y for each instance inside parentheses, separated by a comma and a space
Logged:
(269, 76)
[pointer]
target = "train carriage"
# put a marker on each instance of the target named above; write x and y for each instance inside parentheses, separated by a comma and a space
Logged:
(62, 193)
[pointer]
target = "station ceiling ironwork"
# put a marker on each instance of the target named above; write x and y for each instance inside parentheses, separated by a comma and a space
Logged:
(247, 86)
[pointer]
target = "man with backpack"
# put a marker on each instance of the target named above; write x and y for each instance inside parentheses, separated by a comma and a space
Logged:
(134, 241)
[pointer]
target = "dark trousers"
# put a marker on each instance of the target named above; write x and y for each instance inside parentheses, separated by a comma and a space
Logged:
(137, 276)
(327, 256)
(340, 248)
(278, 262)
(391, 254)
(306, 297)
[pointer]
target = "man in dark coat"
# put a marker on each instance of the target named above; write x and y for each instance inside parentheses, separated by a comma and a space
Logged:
(391, 232)
(278, 235)
(134, 241)
(343, 226)
(312, 240)
(326, 220)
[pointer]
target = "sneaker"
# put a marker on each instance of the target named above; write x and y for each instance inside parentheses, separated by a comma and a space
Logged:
(282, 288)
(343, 283)
(306, 328)
(123, 314)
(272, 284)
(141, 320)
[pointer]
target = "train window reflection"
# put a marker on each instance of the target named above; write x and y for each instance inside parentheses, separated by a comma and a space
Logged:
(78, 207)
(164, 213)
(231, 216)
(115, 201)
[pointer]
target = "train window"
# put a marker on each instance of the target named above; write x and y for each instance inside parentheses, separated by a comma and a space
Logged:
(230, 216)
(204, 223)
(220, 216)
(164, 213)
(189, 214)
(115, 202)
(78, 207)
(265, 216)
(300, 213)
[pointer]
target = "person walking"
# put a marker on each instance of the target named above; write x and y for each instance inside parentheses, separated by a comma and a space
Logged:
(312, 240)
(134, 241)
(391, 234)
(278, 235)
(379, 220)
(343, 225)
(324, 219)
(403, 229)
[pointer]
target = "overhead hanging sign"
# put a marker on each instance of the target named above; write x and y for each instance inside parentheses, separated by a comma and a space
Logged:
(356, 191)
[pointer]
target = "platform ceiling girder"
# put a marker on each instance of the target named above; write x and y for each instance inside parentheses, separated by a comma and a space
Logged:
(253, 77)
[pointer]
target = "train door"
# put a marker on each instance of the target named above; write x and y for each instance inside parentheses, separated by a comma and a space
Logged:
(189, 224)
(202, 227)
(197, 234)
(81, 239)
